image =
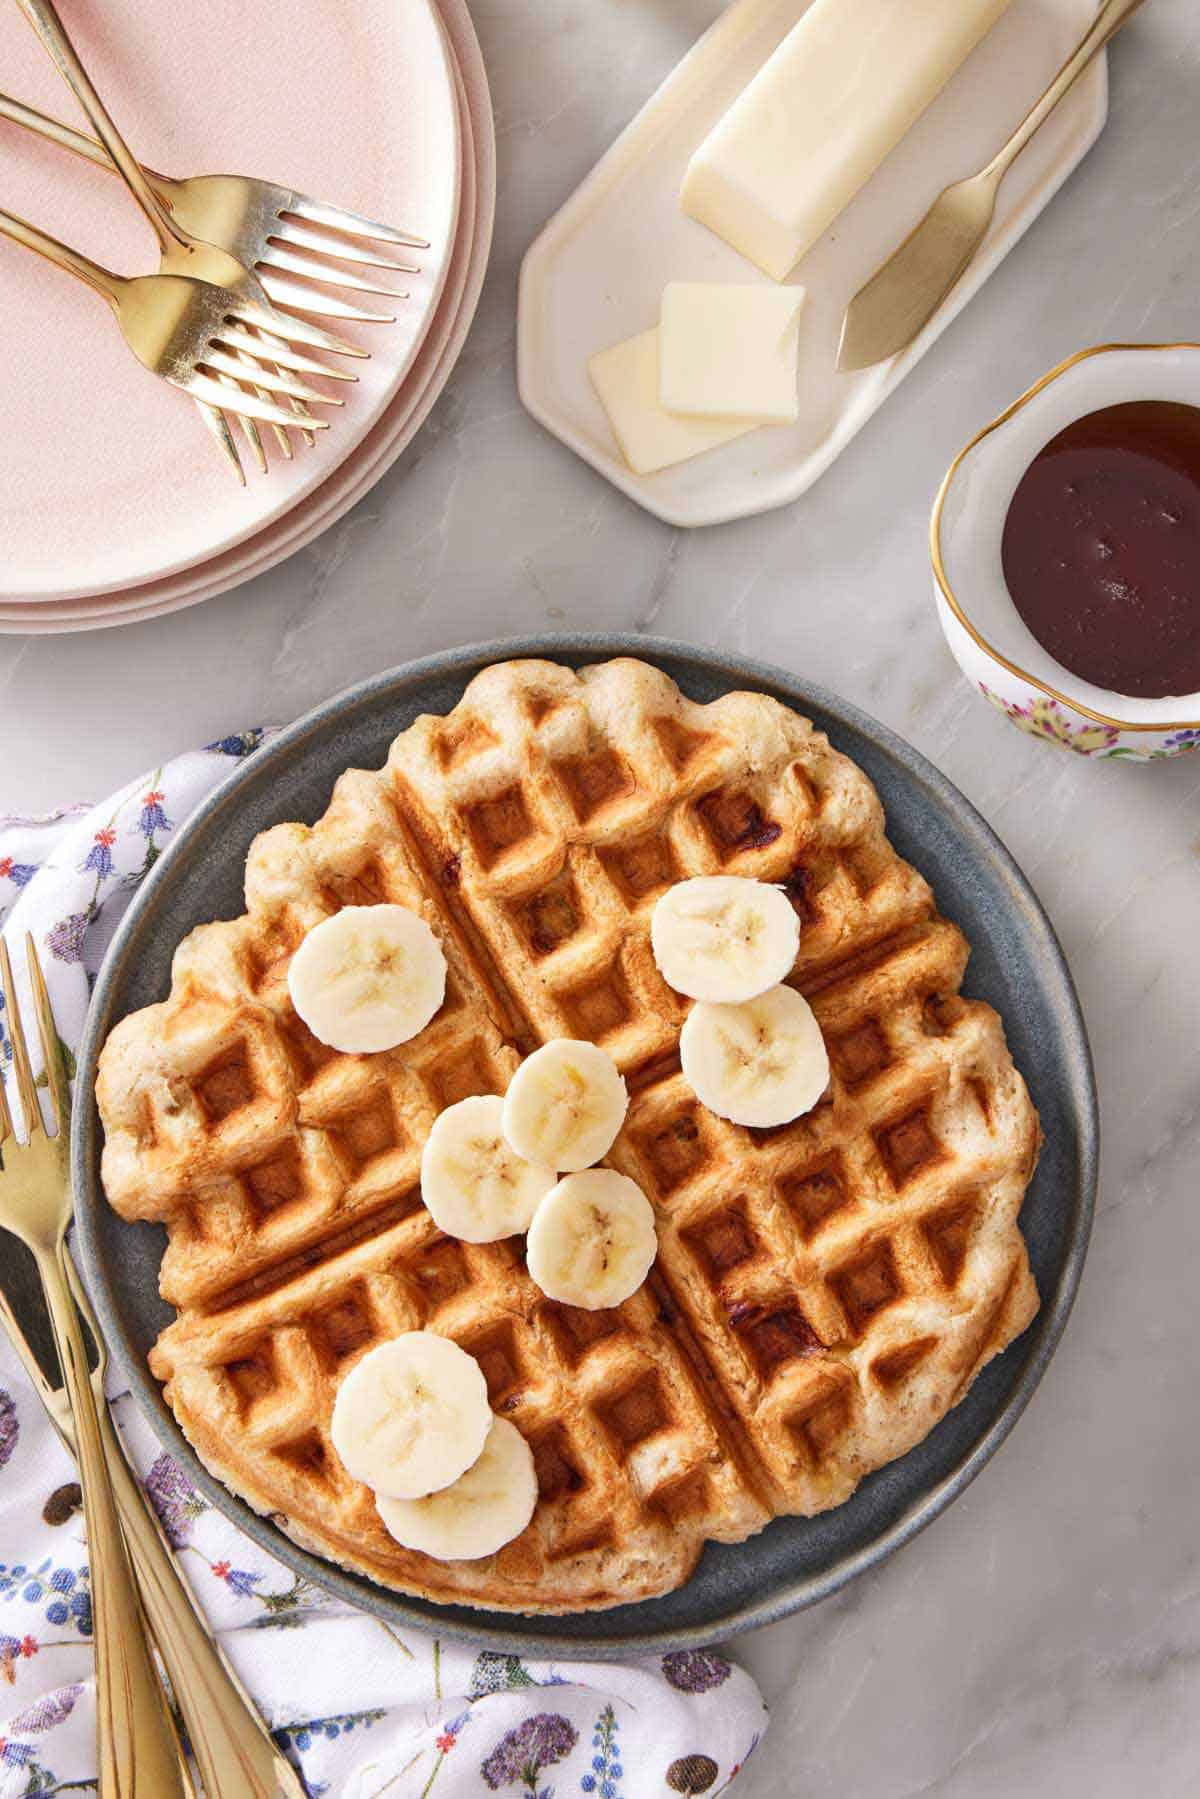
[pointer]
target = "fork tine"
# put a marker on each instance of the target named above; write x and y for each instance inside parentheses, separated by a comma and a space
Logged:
(272, 381)
(26, 1091)
(292, 331)
(6, 1123)
(300, 298)
(295, 234)
(281, 437)
(296, 262)
(250, 432)
(234, 399)
(280, 356)
(336, 218)
(218, 424)
(298, 406)
(52, 1056)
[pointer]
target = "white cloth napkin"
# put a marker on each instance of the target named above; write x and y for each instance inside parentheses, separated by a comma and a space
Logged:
(363, 1709)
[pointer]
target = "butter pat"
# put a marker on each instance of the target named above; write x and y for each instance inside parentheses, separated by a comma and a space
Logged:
(626, 379)
(729, 351)
(820, 116)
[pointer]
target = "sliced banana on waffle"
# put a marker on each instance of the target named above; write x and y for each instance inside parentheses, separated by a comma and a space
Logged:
(473, 1182)
(592, 1241)
(368, 978)
(565, 1105)
(412, 1415)
(485, 1508)
(723, 938)
(762, 1063)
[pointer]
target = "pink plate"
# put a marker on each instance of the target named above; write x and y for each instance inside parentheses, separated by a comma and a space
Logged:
(385, 442)
(110, 481)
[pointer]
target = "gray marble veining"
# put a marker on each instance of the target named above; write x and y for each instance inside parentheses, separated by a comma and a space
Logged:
(1043, 1639)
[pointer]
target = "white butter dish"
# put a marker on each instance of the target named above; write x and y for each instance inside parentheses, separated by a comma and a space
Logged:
(596, 274)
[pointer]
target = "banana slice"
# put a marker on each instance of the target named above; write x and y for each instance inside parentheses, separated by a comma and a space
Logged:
(485, 1508)
(762, 1063)
(412, 1415)
(723, 938)
(474, 1183)
(565, 1105)
(368, 978)
(592, 1241)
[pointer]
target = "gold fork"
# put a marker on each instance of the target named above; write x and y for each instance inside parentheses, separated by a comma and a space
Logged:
(181, 253)
(187, 331)
(267, 227)
(139, 1752)
(237, 1757)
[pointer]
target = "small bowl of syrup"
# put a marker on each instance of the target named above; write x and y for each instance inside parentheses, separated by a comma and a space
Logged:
(1066, 554)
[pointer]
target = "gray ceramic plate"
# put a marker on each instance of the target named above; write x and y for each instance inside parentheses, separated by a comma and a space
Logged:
(1017, 965)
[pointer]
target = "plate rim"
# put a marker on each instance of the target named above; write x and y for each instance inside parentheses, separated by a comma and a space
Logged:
(387, 440)
(503, 1631)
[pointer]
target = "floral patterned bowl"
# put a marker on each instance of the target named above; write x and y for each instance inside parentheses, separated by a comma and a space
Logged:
(986, 634)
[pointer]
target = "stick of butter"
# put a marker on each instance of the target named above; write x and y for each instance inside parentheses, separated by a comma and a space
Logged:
(729, 351)
(626, 378)
(820, 116)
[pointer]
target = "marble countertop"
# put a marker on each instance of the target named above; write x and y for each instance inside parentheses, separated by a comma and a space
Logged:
(1043, 1638)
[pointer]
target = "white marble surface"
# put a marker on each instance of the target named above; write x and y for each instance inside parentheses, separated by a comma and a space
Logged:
(1043, 1638)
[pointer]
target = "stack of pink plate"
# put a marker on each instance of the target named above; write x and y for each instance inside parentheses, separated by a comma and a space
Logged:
(115, 505)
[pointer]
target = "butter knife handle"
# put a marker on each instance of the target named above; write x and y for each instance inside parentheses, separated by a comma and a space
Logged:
(1108, 21)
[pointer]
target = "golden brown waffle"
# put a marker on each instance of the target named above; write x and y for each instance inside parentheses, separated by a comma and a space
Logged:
(824, 1292)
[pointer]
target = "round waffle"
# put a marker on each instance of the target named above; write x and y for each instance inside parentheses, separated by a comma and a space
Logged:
(824, 1292)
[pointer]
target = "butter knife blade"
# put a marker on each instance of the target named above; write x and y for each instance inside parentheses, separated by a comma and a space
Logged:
(898, 301)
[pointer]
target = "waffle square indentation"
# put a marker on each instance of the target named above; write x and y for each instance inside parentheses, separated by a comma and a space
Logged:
(867, 1284)
(439, 1272)
(643, 867)
(496, 1352)
(595, 781)
(948, 1236)
(818, 1425)
(497, 825)
(358, 1137)
(774, 1334)
(859, 1054)
(908, 1145)
(558, 1473)
(814, 1196)
(734, 821)
(575, 1331)
(635, 1413)
(226, 1085)
(723, 1240)
(551, 917)
(601, 1008)
(674, 1151)
(344, 1327)
(277, 1183)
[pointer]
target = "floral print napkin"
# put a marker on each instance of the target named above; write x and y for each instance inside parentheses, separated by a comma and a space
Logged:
(362, 1709)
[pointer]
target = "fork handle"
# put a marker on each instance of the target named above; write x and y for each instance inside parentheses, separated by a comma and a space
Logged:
(78, 142)
(139, 1752)
(44, 18)
(232, 1746)
(234, 1750)
(1108, 21)
(103, 281)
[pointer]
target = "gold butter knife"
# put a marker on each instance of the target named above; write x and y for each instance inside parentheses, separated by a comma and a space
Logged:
(899, 300)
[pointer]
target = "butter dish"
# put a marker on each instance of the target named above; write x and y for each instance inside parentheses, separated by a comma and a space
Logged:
(596, 273)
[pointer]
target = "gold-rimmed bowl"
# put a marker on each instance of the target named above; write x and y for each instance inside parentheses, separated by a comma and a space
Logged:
(987, 636)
